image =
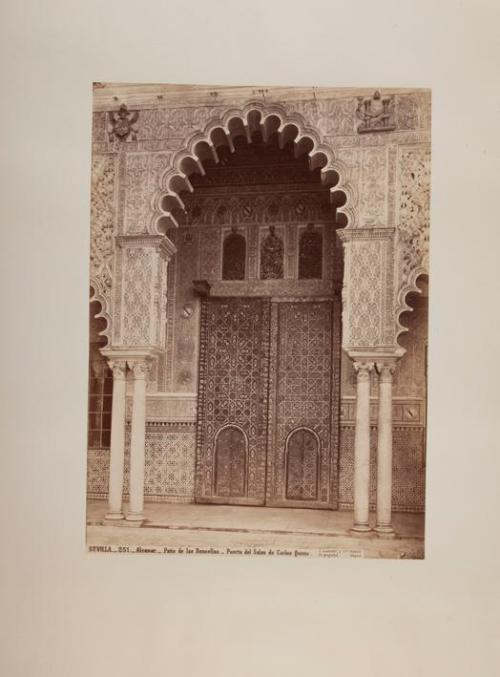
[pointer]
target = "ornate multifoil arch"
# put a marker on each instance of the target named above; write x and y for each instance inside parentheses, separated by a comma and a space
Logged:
(410, 286)
(99, 294)
(221, 130)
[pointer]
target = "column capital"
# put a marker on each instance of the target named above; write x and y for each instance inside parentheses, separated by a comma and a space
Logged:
(118, 367)
(385, 370)
(363, 370)
(140, 367)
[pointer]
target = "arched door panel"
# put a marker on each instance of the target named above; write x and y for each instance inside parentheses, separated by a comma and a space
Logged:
(230, 463)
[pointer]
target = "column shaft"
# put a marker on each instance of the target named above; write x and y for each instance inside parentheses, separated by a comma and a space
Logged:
(362, 449)
(117, 450)
(137, 444)
(384, 451)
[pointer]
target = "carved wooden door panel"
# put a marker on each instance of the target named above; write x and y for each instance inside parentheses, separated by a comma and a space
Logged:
(303, 405)
(232, 412)
(268, 403)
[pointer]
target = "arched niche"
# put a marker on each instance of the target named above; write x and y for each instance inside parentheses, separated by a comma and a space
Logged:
(311, 253)
(302, 465)
(230, 461)
(234, 256)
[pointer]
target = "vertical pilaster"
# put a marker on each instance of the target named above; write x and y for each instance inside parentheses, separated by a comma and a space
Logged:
(117, 451)
(362, 448)
(139, 369)
(384, 450)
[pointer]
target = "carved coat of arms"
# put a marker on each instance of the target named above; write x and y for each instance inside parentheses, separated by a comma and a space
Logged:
(122, 124)
(375, 113)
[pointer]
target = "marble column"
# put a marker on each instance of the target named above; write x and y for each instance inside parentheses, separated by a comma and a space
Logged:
(384, 450)
(362, 448)
(117, 451)
(137, 441)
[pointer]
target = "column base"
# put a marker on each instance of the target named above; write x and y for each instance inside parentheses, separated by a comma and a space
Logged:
(385, 531)
(360, 529)
(135, 519)
(114, 516)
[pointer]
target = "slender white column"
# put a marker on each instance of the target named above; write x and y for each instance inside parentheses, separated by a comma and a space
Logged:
(384, 450)
(137, 441)
(362, 448)
(117, 451)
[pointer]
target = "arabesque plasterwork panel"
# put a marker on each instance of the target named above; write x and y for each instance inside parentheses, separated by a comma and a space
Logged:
(102, 212)
(373, 187)
(413, 209)
(137, 301)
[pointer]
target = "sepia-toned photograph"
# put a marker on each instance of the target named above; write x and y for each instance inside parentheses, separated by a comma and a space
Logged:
(258, 332)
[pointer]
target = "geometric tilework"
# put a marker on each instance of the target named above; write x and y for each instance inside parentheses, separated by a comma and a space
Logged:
(408, 468)
(169, 467)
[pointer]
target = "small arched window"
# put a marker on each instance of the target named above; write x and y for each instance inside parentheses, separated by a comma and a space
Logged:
(233, 257)
(311, 254)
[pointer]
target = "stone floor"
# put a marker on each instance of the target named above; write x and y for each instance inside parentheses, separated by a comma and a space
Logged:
(215, 529)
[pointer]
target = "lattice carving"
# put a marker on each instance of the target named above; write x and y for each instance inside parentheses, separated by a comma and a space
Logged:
(137, 194)
(373, 202)
(137, 296)
(365, 293)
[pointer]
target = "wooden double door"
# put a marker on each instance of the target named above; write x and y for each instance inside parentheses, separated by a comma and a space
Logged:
(268, 402)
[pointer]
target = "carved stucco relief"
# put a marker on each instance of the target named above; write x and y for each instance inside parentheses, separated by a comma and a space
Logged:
(137, 302)
(373, 188)
(365, 293)
(143, 172)
(102, 212)
(328, 116)
(414, 208)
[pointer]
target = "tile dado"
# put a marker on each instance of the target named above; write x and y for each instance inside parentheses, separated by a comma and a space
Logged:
(408, 468)
(169, 464)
